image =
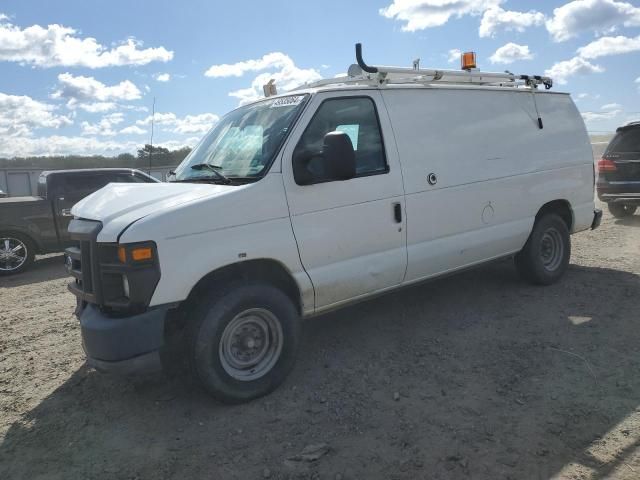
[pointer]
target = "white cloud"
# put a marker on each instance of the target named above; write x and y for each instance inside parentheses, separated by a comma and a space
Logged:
(57, 45)
(610, 46)
(278, 66)
(3, 17)
(582, 96)
(268, 61)
(88, 89)
(611, 106)
(104, 127)
(133, 130)
(421, 14)
(561, 71)
(590, 117)
(510, 53)
(61, 145)
(496, 18)
(454, 55)
(95, 107)
(162, 77)
(20, 114)
(159, 119)
(600, 16)
(190, 124)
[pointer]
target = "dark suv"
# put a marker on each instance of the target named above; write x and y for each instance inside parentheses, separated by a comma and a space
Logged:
(619, 172)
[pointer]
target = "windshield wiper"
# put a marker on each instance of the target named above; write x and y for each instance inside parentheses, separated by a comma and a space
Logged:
(212, 168)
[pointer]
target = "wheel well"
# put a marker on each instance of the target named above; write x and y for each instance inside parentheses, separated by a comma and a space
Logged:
(29, 238)
(266, 271)
(562, 208)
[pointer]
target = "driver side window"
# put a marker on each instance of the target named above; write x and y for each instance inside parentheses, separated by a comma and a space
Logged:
(355, 116)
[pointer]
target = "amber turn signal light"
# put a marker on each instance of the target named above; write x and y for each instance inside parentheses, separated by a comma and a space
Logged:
(141, 253)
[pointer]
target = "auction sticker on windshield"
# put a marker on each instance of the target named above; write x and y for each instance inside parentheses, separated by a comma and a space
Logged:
(287, 101)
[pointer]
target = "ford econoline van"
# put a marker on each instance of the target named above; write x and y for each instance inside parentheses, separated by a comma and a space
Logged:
(311, 200)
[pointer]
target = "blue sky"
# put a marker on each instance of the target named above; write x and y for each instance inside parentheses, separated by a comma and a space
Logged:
(79, 77)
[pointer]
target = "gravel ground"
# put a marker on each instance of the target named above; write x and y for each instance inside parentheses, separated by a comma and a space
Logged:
(477, 375)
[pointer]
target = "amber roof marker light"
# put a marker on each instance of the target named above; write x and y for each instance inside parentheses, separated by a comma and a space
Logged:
(468, 61)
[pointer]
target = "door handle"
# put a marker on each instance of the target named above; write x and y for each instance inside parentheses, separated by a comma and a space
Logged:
(397, 212)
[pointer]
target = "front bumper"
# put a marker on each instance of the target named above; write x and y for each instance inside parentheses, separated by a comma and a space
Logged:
(124, 345)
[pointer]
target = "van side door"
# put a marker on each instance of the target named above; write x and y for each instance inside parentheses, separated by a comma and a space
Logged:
(350, 233)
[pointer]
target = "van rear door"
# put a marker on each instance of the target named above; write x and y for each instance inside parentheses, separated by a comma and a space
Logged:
(350, 233)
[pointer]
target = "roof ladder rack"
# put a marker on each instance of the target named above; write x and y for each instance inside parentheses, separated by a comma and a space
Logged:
(361, 73)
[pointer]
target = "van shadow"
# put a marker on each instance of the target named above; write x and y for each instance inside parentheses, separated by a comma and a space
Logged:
(474, 375)
(43, 269)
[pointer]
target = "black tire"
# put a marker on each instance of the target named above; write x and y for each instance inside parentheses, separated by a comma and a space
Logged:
(545, 256)
(210, 338)
(26, 250)
(620, 210)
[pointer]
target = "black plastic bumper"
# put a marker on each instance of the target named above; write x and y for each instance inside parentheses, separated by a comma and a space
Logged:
(597, 218)
(125, 345)
(625, 198)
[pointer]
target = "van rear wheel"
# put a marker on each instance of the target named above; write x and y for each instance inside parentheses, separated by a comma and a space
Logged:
(545, 256)
(620, 210)
(243, 343)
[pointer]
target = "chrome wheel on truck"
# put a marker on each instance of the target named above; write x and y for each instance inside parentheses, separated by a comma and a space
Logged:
(15, 254)
(242, 340)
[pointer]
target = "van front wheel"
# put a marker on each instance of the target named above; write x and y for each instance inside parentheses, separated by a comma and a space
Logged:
(545, 256)
(243, 343)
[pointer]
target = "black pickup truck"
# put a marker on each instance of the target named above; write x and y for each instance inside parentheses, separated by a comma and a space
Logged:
(37, 225)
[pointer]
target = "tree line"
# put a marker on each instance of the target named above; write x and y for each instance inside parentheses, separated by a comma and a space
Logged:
(148, 156)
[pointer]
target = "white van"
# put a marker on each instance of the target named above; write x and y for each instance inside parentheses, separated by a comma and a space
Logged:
(311, 200)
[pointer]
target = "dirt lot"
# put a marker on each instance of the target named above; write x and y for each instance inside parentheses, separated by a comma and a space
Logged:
(477, 375)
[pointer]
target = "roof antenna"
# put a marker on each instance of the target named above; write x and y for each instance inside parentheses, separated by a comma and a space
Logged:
(153, 117)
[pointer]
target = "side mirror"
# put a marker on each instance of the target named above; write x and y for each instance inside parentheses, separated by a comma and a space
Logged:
(339, 156)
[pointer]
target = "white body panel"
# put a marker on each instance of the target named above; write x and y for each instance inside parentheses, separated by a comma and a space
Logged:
(339, 240)
(494, 167)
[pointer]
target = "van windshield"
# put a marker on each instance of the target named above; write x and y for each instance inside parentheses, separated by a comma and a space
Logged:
(626, 141)
(243, 143)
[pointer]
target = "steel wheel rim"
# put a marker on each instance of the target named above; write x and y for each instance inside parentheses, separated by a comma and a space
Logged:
(551, 249)
(13, 254)
(251, 344)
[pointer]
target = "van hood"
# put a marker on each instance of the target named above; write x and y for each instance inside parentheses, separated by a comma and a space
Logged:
(119, 204)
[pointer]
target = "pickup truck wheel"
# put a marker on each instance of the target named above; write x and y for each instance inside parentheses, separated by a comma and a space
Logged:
(16, 253)
(243, 343)
(620, 210)
(545, 256)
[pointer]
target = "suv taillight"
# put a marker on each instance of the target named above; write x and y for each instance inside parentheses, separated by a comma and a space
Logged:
(605, 165)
